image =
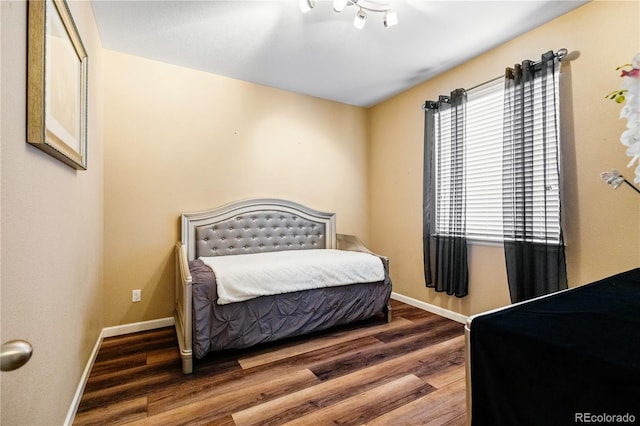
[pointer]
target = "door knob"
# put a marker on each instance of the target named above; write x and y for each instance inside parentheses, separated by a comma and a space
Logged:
(15, 354)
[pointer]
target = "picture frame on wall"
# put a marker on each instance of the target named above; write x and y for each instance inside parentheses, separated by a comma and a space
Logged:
(57, 83)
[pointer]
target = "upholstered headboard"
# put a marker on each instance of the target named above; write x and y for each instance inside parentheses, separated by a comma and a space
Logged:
(254, 226)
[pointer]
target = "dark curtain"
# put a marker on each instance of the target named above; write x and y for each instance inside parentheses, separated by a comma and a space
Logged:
(534, 253)
(449, 242)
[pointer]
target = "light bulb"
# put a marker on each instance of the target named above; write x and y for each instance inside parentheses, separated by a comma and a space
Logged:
(390, 18)
(361, 18)
(306, 5)
(339, 5)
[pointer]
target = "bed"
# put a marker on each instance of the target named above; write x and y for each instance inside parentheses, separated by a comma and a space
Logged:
(210, 317)
(567, 358)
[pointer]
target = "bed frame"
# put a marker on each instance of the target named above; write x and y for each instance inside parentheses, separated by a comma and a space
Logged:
(249, 226)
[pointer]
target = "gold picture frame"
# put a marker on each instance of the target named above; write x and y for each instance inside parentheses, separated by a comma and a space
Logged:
(56, 83)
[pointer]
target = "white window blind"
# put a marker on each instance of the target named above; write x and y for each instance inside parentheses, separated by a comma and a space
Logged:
(483, 183)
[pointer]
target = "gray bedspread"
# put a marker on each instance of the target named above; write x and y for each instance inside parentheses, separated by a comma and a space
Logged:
(269, 318)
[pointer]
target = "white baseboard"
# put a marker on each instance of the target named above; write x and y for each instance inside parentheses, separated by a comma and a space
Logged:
(75, 402)
(430, 308)
(117, 330)
(120, 330)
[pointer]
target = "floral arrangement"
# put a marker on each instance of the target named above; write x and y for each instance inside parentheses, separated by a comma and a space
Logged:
(630, 96)
(615, 179)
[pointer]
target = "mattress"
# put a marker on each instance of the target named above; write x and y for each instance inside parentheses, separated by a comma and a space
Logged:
(247, 276)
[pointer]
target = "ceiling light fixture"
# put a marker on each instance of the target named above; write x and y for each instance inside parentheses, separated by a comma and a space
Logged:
(364, 6)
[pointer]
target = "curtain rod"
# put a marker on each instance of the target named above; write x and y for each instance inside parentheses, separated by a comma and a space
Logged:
(486, 82)
(560, 54)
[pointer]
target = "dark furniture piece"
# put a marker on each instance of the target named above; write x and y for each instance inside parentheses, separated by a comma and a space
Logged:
(568, 358)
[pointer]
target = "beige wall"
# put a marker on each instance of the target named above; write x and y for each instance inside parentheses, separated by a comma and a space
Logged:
(179, 140)
(52, 239)
(602, 226)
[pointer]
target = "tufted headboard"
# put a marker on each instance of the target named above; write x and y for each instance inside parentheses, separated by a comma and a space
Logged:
(254, 226)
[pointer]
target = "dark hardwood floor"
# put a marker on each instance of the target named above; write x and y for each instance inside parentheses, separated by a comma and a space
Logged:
(407, 372)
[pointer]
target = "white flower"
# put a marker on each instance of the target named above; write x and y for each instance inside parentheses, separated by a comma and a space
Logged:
(632, 134)
(613, 178)
(631, 111)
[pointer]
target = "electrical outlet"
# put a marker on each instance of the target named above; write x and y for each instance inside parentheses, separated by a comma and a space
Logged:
(136, 295)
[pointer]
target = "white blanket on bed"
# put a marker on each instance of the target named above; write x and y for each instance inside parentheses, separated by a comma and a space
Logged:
(247, 276)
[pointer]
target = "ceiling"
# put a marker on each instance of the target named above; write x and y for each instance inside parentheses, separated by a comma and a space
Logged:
(319, 53)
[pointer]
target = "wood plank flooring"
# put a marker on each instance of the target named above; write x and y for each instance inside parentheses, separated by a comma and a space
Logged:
(407, 372)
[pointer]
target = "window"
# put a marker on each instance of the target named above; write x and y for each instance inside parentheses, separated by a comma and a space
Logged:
(483, 180)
